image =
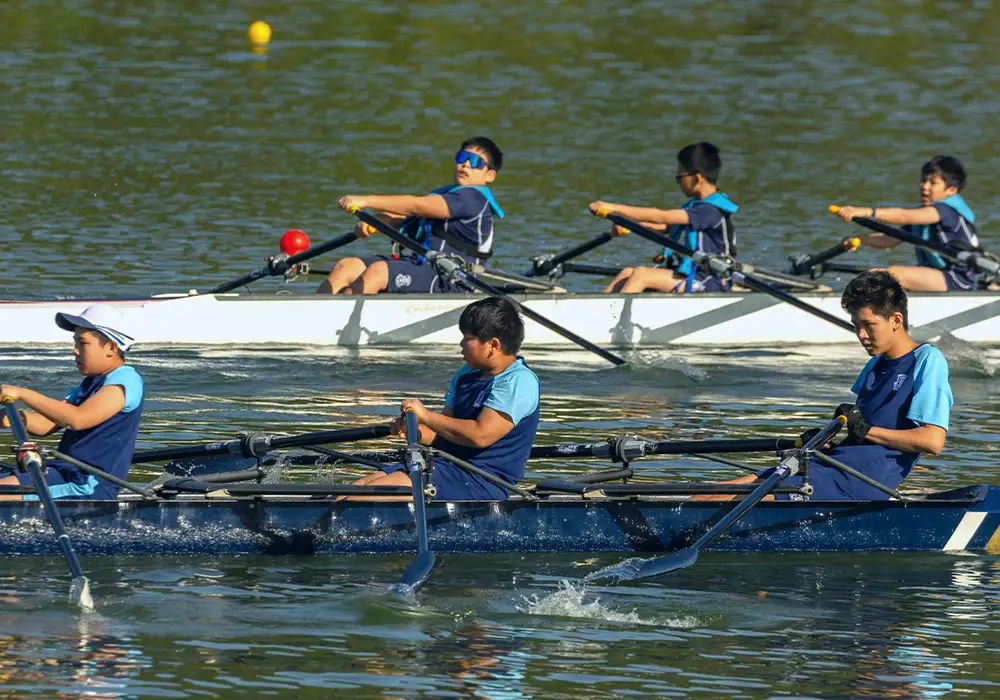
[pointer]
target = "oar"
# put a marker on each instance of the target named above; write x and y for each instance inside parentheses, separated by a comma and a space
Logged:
(720, 265)
(544, 264)
(29, 459)
(278, 264)
(629, 447)
(974, 259)
(632, 569)
(259, 444)
(416, 463)
(450, 268)
(804, 264)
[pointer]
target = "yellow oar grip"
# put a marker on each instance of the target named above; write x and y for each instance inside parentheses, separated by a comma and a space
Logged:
(833, 209)
(852, 243)
(603, 213)
(842, 419)
(6, 399)
(355, 208)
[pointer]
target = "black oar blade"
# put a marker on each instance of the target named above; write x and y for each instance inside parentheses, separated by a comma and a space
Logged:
(418, 572)
(636, 569)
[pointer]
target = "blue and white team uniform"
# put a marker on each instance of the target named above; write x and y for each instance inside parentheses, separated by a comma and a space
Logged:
(515, 393)
(957, 225)
(900, 394)
(709, 230)
(107, 446)
(467, 234)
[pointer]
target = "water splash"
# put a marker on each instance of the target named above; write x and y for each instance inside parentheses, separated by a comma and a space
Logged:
(569, 600)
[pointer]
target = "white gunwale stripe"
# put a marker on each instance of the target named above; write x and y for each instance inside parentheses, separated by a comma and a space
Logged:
(965, 531)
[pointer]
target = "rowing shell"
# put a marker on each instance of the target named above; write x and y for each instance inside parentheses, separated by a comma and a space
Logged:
(612, 320)
(962, 519)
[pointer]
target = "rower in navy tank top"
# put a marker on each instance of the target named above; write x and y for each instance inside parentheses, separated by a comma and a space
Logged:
(943, 217)
(100, 416)
(456, 220)
(491, 410)
(903, 400)
(703, 223)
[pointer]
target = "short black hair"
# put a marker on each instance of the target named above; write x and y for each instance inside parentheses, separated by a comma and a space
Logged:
(494, 156)
(701, 157)
(494, 317)
(878, 291)
(948, 167)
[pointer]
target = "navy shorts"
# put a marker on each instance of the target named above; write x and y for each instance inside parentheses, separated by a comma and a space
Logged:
(959, 281)
(409, 275)
(66, 482)
(456, 484)
(704, 283)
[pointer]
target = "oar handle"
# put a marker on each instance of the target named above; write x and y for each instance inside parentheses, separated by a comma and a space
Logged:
(848, 245)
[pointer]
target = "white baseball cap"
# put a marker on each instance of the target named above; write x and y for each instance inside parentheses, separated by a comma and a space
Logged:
(100, 317)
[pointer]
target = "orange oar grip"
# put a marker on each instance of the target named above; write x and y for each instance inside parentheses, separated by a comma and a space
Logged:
(833, 209)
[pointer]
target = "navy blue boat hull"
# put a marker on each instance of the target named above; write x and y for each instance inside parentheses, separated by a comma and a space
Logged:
(965, 519)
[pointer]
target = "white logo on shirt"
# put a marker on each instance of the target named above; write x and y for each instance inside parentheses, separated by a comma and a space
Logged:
(403, 280)
(480, 399)
(900, 378)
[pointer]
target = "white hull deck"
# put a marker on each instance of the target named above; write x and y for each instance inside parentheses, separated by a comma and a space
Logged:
(612, 321)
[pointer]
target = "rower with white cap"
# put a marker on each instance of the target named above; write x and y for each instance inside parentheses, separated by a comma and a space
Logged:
(101, 415)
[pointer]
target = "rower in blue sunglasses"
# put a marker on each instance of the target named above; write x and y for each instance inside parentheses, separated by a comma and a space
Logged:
(457, 219)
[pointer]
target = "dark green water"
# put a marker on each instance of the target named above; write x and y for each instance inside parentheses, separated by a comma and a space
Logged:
(145, 148)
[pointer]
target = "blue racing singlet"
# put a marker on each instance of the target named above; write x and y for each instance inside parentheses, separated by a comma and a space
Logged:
(957, 225)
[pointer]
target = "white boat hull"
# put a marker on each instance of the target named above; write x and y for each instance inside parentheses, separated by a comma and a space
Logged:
(622, 321)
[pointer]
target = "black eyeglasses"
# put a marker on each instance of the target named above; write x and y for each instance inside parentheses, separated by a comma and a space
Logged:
(680, 176)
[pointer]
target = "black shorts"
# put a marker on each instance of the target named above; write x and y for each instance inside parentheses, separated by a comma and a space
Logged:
(410, 275)
(958, 280)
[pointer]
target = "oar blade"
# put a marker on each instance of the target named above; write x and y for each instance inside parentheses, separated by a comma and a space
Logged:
(636, 569)
(416, 574)
(79, 593)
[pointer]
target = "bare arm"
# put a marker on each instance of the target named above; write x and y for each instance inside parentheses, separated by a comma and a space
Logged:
(432, 206)
(648, 215)
(879, 241)
(926, 438)
(923, 216)
(35, 423)
(489, 427)
(108, 401)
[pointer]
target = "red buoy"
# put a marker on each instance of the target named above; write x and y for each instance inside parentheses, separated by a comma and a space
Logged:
(294, 242)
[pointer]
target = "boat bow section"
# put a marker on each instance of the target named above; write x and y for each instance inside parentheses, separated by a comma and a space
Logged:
(964, 519)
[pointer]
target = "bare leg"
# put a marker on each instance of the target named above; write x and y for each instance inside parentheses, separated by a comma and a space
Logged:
(344, 273)
(374, 280)
(380, 478)
(652, 279)
(918, 279)
(729, 496)
(10, 481)
(617, 282)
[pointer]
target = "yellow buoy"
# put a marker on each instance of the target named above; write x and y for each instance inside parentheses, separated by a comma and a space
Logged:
(259, 33)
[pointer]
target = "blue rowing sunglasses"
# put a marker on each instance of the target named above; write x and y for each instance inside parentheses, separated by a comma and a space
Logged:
(476, 161)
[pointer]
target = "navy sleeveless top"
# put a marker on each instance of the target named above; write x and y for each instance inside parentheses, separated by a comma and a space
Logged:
(898, 394)
(108, 446)
(468, 232)
(515, 393)
(957, 225)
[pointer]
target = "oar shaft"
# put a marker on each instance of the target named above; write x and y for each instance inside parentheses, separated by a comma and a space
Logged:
(845, 246)
(546, 265)
(29, 458)
(263, 444)
(278, 264)
(761, 286)
(451, 267)
(417, 465)
(605, 450)
(788, 466)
